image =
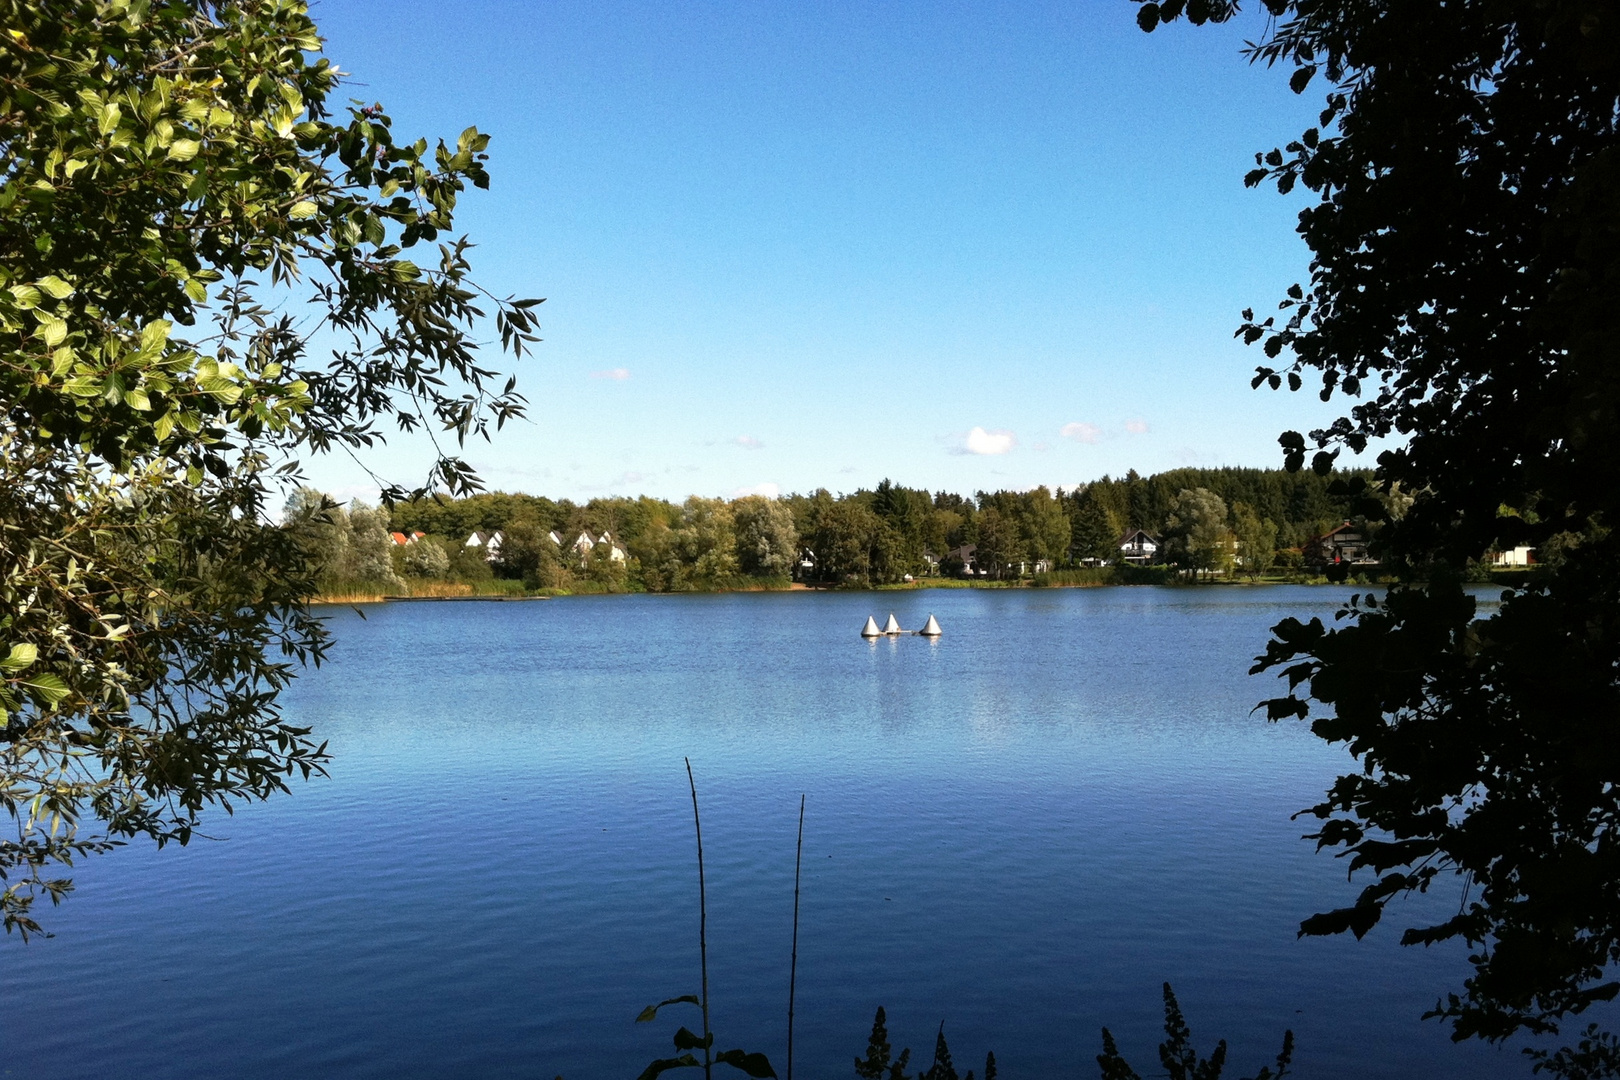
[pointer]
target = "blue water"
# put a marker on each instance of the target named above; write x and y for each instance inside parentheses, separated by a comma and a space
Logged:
(1021, 829)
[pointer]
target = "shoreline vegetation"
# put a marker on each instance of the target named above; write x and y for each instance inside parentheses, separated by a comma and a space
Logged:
(1060, 579)
(1183, 527)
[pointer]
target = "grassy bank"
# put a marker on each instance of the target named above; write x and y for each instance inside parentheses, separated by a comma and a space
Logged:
(370, 592)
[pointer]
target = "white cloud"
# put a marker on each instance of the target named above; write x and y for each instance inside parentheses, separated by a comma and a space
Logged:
(1136, 427)
(980, 441)
(1080, 431)
(618, 374)
(769, 490)
(749, 442)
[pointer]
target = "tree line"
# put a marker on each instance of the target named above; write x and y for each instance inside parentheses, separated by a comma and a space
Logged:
(1206, 521)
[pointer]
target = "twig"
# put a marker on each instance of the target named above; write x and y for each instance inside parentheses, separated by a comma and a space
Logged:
(703, 927)
(793, 961)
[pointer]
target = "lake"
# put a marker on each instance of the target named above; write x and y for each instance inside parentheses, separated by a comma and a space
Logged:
(1021, 829)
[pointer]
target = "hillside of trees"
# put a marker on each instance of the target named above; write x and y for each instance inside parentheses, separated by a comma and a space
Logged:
(1210, 521)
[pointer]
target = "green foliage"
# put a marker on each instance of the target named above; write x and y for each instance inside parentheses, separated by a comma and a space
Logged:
(1093, 530)
(767, 543)
(345, 550)
(1195, 534)
(426, 558)
(1178, 1056)
(1256, 539)
(175, 188)
(863, 539)
(1460, 214)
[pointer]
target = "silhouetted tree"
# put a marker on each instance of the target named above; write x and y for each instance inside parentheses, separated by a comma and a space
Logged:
(1465, 290)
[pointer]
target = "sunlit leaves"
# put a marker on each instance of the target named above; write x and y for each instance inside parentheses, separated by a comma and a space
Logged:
(173, 175)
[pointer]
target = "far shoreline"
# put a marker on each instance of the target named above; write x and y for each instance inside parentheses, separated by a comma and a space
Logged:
(441, 593)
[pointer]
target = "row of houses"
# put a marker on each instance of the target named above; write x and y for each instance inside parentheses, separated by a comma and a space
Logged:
(583, 545)
(1343, 545)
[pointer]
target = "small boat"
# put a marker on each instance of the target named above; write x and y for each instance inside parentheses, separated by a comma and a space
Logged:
(931, 628)
(892, 627)
(871, 628)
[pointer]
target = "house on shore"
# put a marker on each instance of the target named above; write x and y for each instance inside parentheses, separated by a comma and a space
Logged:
(615, 552)
(401, 539)
(490, 542)
(1139, 548)
(961, 560)
(1346, 544)
(1514, 558)
(584, 546)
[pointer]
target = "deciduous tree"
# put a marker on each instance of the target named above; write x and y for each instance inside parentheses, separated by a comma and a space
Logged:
(1195, 533)
(767, 542)
(180, 209)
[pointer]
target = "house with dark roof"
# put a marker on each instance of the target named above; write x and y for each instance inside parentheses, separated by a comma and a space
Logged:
(1139, 547)
(1346, 544)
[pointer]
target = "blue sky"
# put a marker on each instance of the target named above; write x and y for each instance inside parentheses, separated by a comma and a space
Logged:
(786, 246)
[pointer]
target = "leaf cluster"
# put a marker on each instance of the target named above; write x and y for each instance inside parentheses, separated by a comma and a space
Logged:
(183, 214)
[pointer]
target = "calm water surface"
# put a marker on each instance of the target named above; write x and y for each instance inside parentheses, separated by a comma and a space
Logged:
(1023, 829)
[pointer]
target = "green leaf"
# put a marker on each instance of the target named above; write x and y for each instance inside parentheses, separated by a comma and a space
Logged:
(303, 209)
(54, 331)
(47, 686)
(184, 149)
(222, 388)
(27, 296)
(154, 334)
(686, 1039)
(197, 290)
(22, 655)
(54, 285)
(163, 426)
(137, 399)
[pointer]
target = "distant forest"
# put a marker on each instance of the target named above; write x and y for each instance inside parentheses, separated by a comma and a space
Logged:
(1218, 521)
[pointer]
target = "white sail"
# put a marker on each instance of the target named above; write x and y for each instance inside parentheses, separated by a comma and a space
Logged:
(871, 628)
(892, 627)
(931, 628)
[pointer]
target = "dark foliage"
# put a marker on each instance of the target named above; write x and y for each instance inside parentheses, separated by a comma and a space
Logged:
(1176, 1053)
(1464, 292)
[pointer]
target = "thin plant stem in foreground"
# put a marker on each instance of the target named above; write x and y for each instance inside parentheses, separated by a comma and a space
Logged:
(703, 927)
(793, 959)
